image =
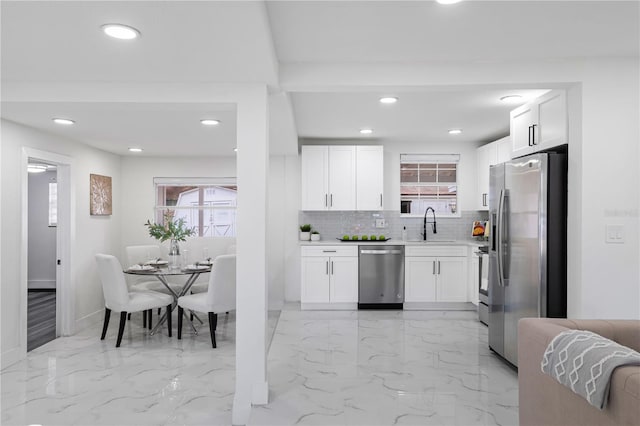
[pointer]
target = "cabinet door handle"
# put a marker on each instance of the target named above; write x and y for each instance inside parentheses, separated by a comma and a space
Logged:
(438, 267)
(331, 200)
(329, 251)
(433, 269)
(484, 200)
(332, 267)
(529, 135)
(325, 200)
(326, 267)
(380, 200)
(533, 134)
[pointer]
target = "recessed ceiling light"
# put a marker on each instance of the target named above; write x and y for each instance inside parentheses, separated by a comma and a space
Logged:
(388, 100)
(210, 122)
(135, 149)
(366, 131)
(455, 131)
(63, 121)
(121, 32)
(235, 149)
(36, 168)
(448, 1)
(511, 98)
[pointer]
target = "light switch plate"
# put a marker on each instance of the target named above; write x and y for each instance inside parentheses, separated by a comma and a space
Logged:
(381, 223)
(614, 234)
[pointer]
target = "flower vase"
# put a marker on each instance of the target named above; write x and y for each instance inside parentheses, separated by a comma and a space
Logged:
(174, 254)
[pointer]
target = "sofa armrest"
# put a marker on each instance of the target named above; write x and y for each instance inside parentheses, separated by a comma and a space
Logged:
(544, 401)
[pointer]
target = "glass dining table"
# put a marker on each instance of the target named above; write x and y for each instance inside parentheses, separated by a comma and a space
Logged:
(162, 271)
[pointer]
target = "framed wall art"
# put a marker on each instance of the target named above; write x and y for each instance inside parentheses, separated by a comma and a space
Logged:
(99, 195)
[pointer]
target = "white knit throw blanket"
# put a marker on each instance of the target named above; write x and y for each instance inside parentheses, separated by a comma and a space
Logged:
(584, 361)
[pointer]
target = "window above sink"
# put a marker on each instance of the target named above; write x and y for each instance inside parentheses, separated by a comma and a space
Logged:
(429, 180)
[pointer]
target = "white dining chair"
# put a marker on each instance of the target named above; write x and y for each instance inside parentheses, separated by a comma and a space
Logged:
(117, 296)
(220, 297)
(140, 254)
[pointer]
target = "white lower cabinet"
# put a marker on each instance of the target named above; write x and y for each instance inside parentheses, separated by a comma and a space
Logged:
(329, 277)
(436, 274)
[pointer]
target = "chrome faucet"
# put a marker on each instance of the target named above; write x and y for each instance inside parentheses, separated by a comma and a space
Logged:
(433, 224)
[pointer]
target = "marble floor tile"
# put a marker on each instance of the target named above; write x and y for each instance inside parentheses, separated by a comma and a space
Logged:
(386, 368)
(324, 368)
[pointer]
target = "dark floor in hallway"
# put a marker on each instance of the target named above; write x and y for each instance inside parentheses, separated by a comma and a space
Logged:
(41, 318)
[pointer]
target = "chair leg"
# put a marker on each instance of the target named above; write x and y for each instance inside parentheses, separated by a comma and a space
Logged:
(180, 313)
(123, 321)
(129, 316)
(169, 318)
(213, 323)
(107, 315)
(159, 311)
(144, 319)
(150, 313)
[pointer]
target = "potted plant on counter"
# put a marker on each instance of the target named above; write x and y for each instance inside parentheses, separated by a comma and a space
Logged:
(305, 232)
(315, 236)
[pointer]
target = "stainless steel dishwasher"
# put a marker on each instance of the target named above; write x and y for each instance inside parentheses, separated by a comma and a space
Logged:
(380, 277)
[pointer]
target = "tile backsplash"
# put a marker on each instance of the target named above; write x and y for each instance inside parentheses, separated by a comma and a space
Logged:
(336, 224)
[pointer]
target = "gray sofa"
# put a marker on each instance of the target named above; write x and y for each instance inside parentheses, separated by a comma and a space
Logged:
(544, 401)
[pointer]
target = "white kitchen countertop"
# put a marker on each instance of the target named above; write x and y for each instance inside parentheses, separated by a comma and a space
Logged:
(394, 242)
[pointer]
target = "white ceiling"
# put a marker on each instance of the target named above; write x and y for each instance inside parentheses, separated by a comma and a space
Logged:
(186, 42)
(425, 31)
(416, 117)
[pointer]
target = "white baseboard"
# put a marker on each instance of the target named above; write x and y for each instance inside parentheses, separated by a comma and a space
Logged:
(89, 320)
(329, 306)
(439, 306)
(38, 284)
(12, 356)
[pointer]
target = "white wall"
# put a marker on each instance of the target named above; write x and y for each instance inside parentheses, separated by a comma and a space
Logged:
(291, 248)
(42, 237)
(139, 197)
(608, 286)
(93, 234)
(467, 175)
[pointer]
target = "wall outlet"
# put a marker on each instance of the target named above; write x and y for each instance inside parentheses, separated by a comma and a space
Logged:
(381, 223)
(614, 234)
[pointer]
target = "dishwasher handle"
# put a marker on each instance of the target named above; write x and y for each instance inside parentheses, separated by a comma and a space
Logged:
(380, 251)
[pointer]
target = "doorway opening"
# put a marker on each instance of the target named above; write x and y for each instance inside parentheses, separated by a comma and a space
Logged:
(47, 308)
(42, 253)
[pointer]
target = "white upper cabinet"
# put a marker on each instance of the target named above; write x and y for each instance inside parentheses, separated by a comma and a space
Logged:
(315, 177)
(342, 177)
(328, 177)
(503, 149)
(369, 177)
(488, 155)
(540, 124)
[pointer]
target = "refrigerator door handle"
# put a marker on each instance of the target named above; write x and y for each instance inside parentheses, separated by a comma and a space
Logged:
(499, 238)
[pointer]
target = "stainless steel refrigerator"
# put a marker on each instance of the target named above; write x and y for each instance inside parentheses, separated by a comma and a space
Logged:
(528, 246)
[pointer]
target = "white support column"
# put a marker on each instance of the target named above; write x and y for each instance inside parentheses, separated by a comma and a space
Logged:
(251, 289)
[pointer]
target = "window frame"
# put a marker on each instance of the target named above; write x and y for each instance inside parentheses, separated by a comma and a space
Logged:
(200, 183)
(436, 159)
